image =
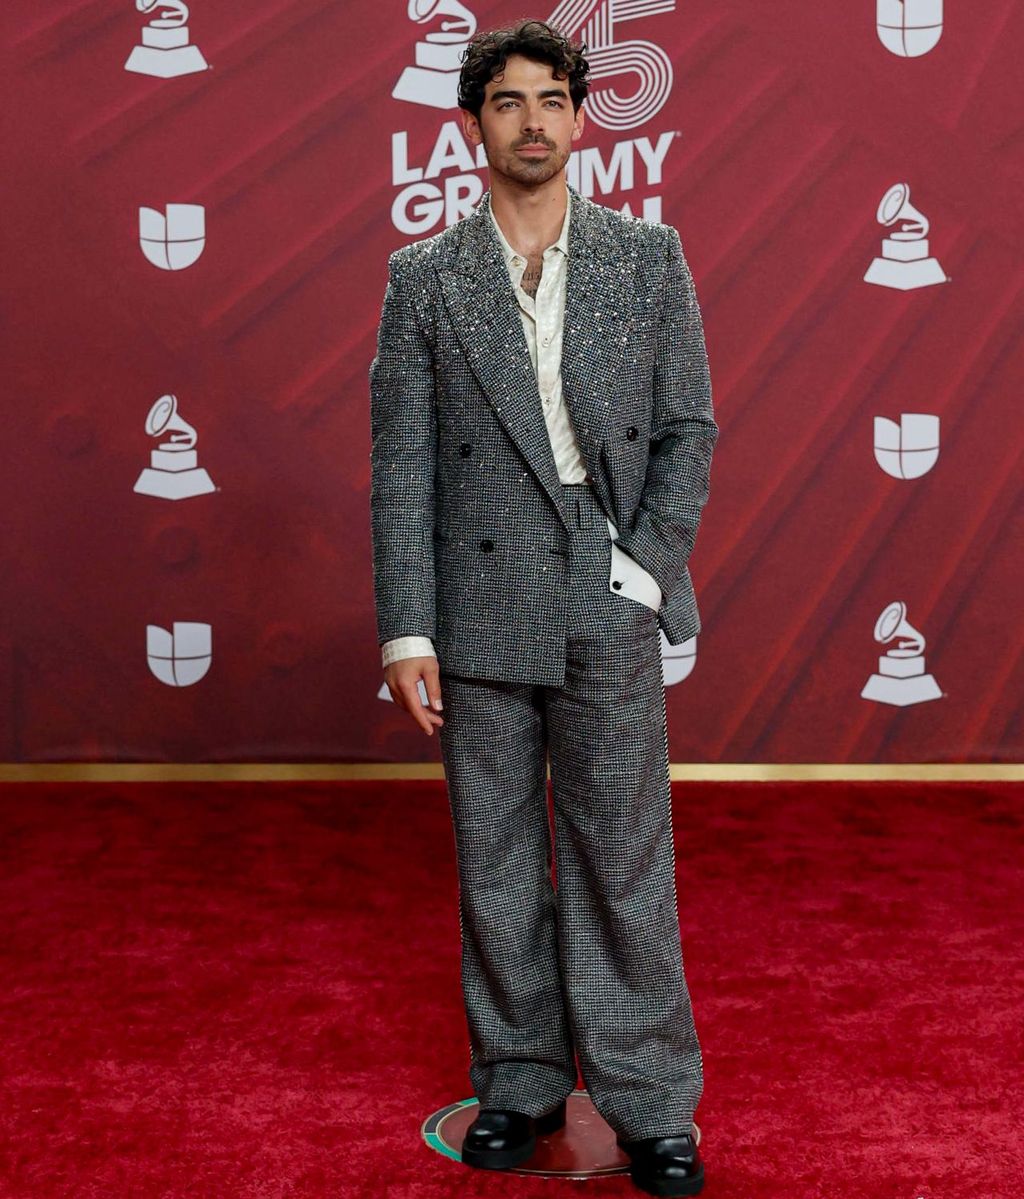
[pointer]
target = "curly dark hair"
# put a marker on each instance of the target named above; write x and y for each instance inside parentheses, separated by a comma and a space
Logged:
(488, 52)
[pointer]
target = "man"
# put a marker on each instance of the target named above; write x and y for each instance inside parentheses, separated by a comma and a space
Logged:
(542, 436)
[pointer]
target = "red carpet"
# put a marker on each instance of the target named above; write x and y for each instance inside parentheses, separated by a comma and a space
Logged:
(250, 991)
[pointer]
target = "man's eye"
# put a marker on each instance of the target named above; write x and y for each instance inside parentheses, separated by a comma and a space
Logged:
(558, 103)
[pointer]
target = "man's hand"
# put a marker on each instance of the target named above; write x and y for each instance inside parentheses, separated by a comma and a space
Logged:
(402, 678)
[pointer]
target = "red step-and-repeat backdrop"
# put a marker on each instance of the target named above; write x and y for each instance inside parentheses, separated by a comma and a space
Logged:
(198, 205)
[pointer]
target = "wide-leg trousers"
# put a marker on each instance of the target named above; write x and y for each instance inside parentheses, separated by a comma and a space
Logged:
(593, 968)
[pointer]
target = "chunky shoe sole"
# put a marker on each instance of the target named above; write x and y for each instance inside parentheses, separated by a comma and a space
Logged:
(669, 1186)
(504, 1159)
(663, 1186)
(499, 1159)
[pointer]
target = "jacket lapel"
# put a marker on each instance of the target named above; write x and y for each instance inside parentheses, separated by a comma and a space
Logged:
(479, 296)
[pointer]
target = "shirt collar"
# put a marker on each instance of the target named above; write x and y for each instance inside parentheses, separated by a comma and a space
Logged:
(563, 238)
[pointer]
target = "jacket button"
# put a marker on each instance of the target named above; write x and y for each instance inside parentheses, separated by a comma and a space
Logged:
(465, 449)
(616, 584)
(631, 433)
(487, 545)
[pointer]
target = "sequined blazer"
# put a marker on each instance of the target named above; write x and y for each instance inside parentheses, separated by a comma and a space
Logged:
(470, 533)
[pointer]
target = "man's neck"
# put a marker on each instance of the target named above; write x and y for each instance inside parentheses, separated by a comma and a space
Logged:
(530, 218)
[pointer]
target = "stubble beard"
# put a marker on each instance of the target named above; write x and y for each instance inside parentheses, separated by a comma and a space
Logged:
(525, 171)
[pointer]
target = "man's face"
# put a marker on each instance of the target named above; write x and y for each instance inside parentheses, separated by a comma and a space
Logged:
(526, 124)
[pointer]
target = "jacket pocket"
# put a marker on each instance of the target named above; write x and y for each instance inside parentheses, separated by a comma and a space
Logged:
(627, 577)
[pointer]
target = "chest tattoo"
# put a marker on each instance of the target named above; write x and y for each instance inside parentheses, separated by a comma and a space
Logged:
(531, 276)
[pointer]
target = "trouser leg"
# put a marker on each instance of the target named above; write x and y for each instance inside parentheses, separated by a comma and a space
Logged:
(493, 745)
(630, 1011)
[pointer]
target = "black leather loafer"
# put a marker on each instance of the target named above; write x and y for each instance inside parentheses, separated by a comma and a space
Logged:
(665, 1165)
(499, 1138)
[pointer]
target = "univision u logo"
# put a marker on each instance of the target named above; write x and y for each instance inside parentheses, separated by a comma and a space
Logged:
(909, 28)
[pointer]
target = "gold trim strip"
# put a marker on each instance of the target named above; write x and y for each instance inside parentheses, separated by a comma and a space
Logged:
(214, 772)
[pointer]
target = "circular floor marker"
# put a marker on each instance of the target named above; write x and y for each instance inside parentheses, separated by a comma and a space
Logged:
(584, 1148)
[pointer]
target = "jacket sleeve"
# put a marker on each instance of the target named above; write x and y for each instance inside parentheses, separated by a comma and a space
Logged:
(683, 433)
(403, 426)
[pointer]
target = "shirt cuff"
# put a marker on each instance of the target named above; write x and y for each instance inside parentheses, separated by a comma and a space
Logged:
(633, 579)
(406, 647)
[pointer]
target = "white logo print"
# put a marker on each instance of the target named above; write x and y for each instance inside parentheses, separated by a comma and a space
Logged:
(174, 472)
(175, 241)
(909, 28)
(905, 263)
(384, 692)
(165, 50)
(610, 59)
(909, 449)
(434, 80)
(901, 677)
(181, 658)
(678, 661)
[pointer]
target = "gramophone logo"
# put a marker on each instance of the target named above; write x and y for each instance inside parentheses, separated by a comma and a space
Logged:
(909, 449)
(911, 28)
(182, 657)
(677, 661)
(905, 263)
(901, 677)
(174, 472)
(165, 50)
(173, 242)
(434, 80)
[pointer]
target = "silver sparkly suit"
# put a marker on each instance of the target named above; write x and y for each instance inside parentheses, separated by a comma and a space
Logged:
(478, 545)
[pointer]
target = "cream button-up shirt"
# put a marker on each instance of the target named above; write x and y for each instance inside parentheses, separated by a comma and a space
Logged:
(542, 317)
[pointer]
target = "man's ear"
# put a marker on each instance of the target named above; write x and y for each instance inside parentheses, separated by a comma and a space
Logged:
(577, 131)
(471, 127)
